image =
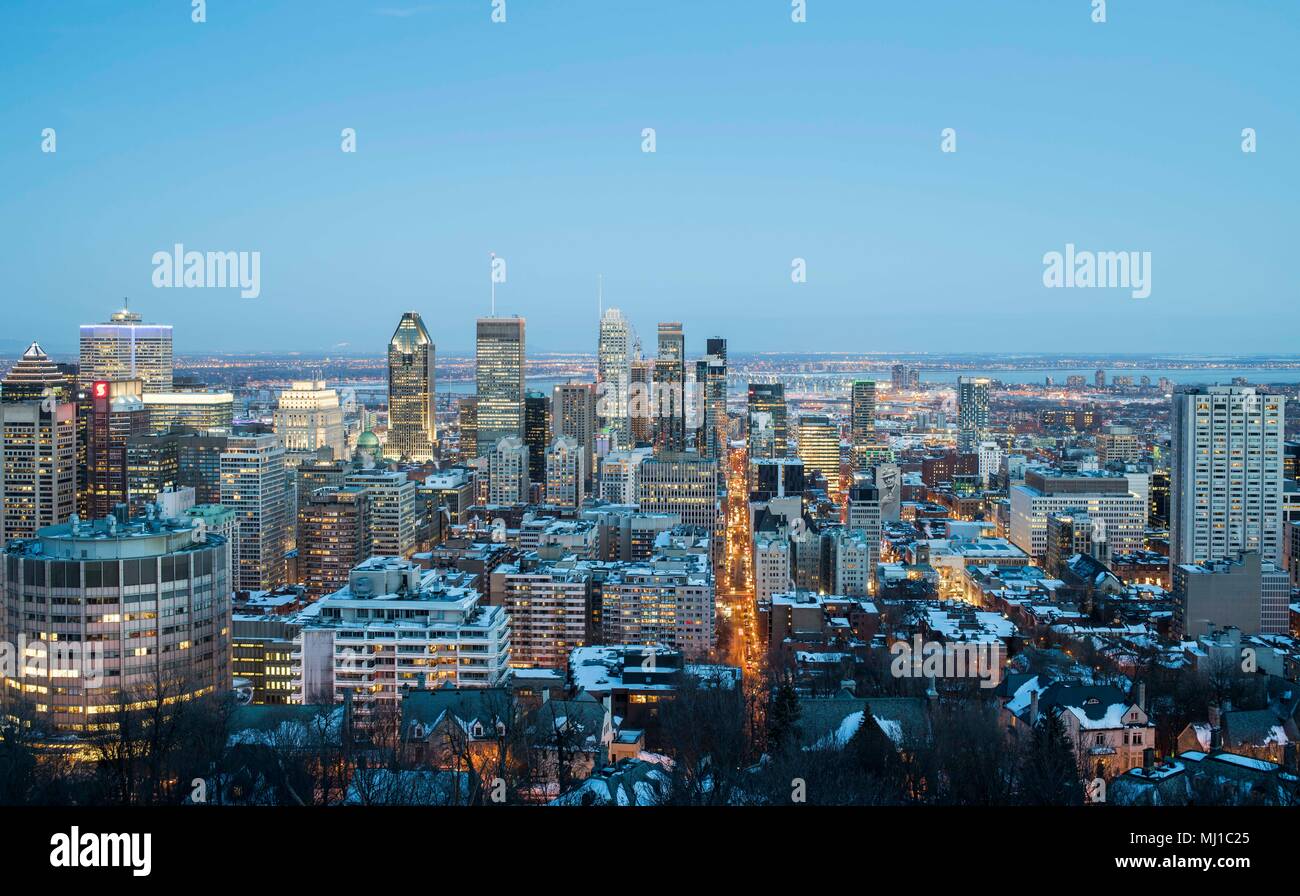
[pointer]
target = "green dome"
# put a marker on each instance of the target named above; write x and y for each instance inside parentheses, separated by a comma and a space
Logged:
(367, 440)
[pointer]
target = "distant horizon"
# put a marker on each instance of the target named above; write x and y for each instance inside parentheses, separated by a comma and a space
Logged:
(11, 347)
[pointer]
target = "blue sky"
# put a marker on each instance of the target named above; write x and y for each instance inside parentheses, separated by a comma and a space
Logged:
(775, 140)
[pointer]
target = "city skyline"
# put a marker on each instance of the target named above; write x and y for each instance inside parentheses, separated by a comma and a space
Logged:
(572, 403)
(827, 150)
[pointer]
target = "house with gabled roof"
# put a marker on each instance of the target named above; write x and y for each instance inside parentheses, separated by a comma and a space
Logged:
(576, 733)
(445, 726)
(1109, 730)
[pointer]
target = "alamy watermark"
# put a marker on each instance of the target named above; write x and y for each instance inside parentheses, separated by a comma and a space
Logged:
(653, 401)
(214, 270)
(39, 659)
(919, 658)
(1099, 270)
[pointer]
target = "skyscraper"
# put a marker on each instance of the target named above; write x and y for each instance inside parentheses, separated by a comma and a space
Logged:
(253, 484)
(819, 448)
(766, 412)
(573, 415)
(717, 347)
(670, 388)
(712, 380)
(862, 414)
(641, 419)
(412, 424)
(467, 423)
(499, 377)
(116, 415)
(152, 468)
(1226, 476)
(537, 433)
(125, 348)
(613, 377)
(35, 377)
(38, 447)
(972, 411)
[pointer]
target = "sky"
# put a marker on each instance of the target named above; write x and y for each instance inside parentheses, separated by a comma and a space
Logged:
(774, 141)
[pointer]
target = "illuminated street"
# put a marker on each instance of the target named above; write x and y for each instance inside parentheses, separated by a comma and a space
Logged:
(736, 584)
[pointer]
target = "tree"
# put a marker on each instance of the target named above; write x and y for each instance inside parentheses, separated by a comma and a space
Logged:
(876, 757)
(1049, 770)
(972, 763)
(783, 731)
(707, 725)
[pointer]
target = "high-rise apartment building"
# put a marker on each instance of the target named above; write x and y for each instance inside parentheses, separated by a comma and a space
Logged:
(972, 411)
(566, 472)
(862, 422)
(661, 602)
(333, 537)
(905, 377)
(1226, 476)
(573, 415)
(641, 408)
(771, 565)
(499, 378)
(126, 348)
(989, 458)
(309, 417)
(412, 423)
(396, 627)
(254, 485)
(863, 443)
(619, 475)
(38, 447)
(613, 377)
(856, 554)
(549, 609)
(393, 505)
(508, 472)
